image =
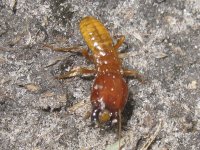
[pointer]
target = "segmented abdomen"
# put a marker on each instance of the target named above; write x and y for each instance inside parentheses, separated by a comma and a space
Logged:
(95, 35)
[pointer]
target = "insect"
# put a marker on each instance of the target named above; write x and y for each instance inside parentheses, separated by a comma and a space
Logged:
(110, 91)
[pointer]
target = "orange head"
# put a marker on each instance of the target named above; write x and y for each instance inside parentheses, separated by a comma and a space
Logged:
(109, 96)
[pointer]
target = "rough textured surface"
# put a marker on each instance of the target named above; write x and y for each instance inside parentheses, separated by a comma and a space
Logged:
(34, 107)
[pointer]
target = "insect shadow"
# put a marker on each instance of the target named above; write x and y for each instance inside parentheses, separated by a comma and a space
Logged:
(128, 110)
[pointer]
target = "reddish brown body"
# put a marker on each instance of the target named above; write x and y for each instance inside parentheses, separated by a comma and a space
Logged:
(110, 91)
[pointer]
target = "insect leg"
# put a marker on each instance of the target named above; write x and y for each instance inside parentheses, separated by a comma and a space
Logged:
(76, 49)
(77, 72)
(87, 55)
(119, 42)
(133, 73)
(63, 49)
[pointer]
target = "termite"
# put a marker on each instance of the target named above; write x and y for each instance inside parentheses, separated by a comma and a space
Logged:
(110, 91)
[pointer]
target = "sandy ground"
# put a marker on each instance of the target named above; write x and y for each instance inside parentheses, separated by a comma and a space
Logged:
(39, 112)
